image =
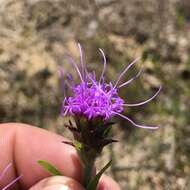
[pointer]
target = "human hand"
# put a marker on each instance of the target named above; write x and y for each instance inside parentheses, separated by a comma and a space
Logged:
(24, 145)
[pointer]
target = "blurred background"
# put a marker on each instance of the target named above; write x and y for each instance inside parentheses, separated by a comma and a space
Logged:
(36, 34)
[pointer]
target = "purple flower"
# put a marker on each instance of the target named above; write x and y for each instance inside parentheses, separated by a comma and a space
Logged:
(94, 98)
(12, 182)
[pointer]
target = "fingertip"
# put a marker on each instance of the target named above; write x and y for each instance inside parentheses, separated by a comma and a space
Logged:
(47, 146)
(107, 183)
(24, 145)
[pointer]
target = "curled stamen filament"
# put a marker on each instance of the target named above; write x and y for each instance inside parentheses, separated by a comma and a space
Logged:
(81, 60)
(76, 67)
(136, 125)
(146, 101)
(126, 69)
(10, 184)
(5, 170)
(131, 80)
(104, 68)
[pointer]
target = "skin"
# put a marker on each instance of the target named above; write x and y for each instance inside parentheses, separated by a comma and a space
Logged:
(24, 145)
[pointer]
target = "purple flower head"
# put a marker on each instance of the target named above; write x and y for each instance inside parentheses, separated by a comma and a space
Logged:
(92, 98)
(3, 174)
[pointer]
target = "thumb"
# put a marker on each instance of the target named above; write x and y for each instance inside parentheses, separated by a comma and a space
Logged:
(57, 183)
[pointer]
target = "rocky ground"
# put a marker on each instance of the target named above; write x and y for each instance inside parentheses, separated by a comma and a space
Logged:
(36, 34)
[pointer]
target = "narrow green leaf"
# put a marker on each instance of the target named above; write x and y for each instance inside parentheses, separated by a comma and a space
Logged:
(94, 182)
(49, 168)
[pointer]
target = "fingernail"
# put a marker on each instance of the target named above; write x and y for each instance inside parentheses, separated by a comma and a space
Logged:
(56, 187)
(57, 183)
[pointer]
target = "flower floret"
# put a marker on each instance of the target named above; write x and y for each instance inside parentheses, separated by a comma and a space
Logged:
(93, 101)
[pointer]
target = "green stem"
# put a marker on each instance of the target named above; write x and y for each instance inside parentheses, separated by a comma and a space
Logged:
(88, 173)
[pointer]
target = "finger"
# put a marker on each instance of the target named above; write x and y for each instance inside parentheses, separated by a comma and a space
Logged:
(24, 145)
(57, 183)
(107, 183)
